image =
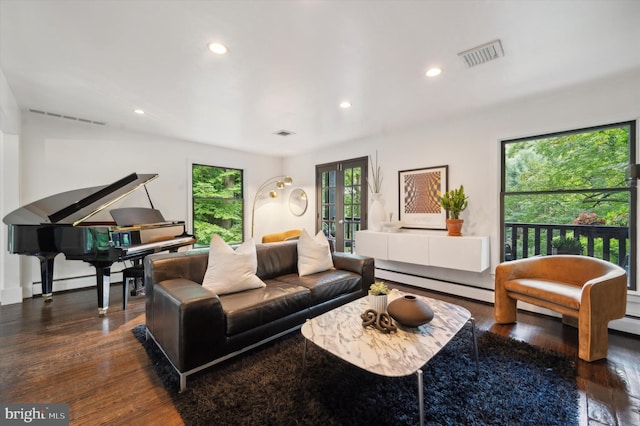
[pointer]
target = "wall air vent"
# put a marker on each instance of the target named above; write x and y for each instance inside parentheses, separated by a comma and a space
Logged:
(68, 117)
(481, 54)
(283, 133)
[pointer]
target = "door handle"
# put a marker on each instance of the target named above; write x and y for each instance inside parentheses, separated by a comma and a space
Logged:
(341, 221)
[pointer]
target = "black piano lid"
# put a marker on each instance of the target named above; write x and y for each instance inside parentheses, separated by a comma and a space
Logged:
(74, 207)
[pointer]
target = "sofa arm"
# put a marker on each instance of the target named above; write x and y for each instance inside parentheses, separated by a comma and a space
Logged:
(190, 265)
(522, 268)
(603, 299)
(605, 296)
(361, 265)
(505, 307)
(188, 322)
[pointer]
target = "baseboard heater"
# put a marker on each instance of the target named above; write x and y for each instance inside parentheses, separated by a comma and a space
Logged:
(74, 283)
(435, 279)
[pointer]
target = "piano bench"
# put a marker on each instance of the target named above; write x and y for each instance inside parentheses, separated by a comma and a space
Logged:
(134, 272)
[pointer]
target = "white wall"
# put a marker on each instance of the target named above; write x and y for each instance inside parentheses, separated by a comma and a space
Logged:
(59, 155)
(10, 291)
(470, 146)
(9, 110)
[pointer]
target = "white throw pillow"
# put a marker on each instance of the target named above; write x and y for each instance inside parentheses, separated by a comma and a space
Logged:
(231, 271)
(314, 254)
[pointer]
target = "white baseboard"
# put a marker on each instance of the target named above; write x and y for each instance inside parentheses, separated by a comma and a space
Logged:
(461, 290)
(10, 296)
(73, 283)
(627, 325)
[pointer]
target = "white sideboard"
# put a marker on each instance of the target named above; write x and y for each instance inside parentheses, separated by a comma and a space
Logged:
(466, 253)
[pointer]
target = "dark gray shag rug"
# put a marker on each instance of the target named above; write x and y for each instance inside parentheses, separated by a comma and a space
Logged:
(518, 385)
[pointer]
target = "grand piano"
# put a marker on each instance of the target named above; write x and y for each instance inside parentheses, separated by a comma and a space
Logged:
(59, 224)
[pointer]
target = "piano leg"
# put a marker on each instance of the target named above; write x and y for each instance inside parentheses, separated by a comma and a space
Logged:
(103, 281)
(46, 275)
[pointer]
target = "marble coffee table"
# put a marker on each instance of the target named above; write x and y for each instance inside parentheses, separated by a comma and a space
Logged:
(341, 333)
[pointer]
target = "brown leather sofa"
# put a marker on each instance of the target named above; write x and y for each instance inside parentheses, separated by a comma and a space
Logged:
(196, 328)
(589, 290)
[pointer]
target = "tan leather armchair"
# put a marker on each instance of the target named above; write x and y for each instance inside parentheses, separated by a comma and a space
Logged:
(282, 236)
(590, 290)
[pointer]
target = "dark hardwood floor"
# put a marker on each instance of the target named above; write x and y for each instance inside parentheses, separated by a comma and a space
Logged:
(63, 352)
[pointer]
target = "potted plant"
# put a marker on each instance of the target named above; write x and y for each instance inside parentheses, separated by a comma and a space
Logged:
(454, 202)
(564, 245)
(378, 292)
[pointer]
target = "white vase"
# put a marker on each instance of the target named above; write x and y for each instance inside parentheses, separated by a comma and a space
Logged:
(376, 213)
(378, 302)
(393, 295)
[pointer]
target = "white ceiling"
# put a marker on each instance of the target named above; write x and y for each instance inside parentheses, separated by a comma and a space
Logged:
(290, 63)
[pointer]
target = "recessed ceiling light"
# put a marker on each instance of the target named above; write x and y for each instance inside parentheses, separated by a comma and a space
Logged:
(138, 111)
(345, 104)
(432, 72)
(217, 48)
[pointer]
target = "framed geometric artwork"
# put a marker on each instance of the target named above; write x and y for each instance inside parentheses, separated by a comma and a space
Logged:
(420, 191)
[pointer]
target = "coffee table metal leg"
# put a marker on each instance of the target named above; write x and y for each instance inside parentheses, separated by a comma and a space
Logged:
(420, 397)
(304, 355)
(475, 344)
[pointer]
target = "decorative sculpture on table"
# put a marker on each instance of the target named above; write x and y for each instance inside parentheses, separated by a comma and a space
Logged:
(380, 321)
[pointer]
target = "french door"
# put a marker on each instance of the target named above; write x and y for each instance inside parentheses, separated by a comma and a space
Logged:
(341, 201)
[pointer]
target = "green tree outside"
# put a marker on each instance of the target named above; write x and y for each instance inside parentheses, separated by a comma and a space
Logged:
(577, 178)
(217, 204)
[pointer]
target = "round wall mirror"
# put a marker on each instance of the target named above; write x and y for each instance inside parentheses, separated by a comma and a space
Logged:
(298, 202)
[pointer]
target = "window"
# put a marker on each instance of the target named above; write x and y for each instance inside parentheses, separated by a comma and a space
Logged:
(573, 184)
(217, 203)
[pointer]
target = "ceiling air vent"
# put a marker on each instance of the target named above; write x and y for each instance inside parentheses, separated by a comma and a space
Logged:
(481, 54)
(68, 117)
(283, 133)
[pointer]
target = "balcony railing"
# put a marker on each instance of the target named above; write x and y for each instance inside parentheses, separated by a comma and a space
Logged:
(610, 243)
